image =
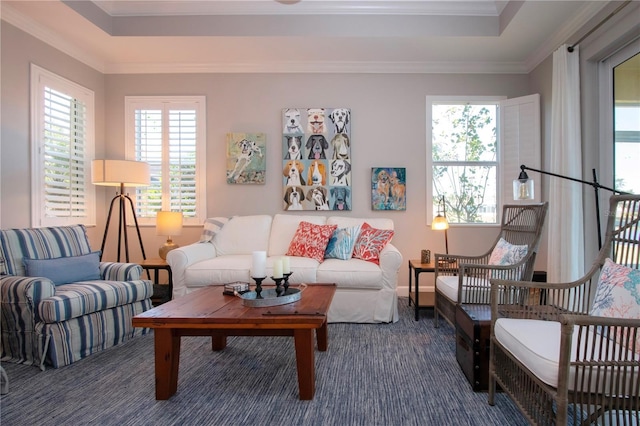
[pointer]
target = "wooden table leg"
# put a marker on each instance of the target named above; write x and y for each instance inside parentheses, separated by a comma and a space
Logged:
(305, 362)
(218, 341)
(167, 347)
(322, 336)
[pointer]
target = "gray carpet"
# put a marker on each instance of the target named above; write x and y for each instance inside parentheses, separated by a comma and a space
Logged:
(389, 374)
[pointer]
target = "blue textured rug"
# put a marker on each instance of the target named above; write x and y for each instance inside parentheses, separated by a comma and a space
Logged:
(388, 374)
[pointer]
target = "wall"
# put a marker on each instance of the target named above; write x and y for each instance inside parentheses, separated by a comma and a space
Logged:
(388, 129)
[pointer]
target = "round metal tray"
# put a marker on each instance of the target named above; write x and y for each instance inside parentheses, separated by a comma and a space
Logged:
(270, 298)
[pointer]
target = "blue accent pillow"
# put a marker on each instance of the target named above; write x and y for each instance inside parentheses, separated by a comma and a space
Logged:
(341, 243)
(65, 270)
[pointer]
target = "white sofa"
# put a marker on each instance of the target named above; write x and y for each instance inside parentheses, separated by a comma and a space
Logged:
(366, 292)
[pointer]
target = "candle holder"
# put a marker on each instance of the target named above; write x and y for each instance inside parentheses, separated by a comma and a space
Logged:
(258, 286)
(279, 289)
(286, 281)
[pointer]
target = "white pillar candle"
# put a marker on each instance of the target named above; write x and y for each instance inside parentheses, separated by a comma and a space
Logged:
(258, 270)
(277, 268)
(286, 265)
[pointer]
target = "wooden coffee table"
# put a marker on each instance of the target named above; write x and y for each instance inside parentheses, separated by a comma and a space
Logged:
(207, 312)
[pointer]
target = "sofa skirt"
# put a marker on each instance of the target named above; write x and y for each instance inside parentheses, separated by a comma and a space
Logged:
(65, 342)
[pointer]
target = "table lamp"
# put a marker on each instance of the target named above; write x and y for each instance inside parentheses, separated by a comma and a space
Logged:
(440, 222)
(168, 224)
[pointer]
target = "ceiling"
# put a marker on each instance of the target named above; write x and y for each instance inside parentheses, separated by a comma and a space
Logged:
(157, 36)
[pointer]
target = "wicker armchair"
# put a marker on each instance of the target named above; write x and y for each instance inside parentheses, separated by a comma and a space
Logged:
(465, 279)
(560, 363)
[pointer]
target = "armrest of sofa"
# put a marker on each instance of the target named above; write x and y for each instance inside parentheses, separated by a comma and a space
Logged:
(114, 271)
(390, 261)
(183, 257)
(20, 298)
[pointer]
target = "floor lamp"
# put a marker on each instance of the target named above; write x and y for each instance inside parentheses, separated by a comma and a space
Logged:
(523, 190)
(121, 173)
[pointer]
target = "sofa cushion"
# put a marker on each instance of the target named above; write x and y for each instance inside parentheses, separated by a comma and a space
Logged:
(352, 274)
(283, 229)
(65, 270)
(40, 243)
(84, 297)
(341, 243)
(310, 240)
(243, 235)
(473, 288)
(370, 243)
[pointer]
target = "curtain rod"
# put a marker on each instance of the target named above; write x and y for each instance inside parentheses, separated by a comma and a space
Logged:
(570, 48)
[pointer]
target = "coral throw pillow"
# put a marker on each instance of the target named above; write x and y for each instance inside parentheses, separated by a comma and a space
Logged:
(618, 293)
(505, 253)
(370, 243)
(311, 240)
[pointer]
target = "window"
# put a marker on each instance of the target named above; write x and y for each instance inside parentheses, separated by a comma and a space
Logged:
(62, 116)
(475, 146)
(169, 133)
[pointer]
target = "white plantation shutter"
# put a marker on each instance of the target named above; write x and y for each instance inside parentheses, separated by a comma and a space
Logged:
(169, 133)
(62, 116)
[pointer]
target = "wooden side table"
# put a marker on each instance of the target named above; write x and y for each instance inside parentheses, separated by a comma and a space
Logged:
(160, 294)
(425, 298)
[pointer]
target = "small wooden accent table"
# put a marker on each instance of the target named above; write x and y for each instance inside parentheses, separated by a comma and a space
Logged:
(156, 265)
(428, 295)
(207, 312)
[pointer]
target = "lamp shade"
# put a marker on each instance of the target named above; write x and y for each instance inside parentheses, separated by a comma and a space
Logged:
(439, 223)
(169, 223)
(523, 187)
(120, 172)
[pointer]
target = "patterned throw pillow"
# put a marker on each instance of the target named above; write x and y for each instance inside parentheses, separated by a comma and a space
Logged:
(370, 243)
(211, 226)
(618, 293)
(341, 243)
(505, 253)
(311, 240)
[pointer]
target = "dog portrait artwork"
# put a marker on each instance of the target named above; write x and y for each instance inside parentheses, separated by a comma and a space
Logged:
(317, 174)
(340, 117)
(292, 121)
(292, 172)
(316, 158)
(340, 198)
(246, 154)
(388, 188)
(293, 147)
(315, 120)
(319, 197)
(293, 198)
(340, 173)
(340, 147)
(317, 146)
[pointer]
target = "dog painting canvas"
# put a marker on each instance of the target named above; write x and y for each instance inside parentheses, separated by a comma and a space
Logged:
(316, 158)
(388, 188)
(246, 158)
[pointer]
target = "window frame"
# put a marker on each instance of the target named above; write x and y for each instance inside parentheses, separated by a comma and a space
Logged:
(40, 79)
(461, 100)
(198, 103)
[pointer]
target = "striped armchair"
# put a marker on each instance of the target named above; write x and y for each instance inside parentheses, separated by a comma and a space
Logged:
(46, 321)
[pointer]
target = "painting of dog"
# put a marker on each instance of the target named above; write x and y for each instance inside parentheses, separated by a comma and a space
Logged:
(292, 121)
(319, 198)
(293, 147)
(340, 198)
(340, 147)
(340, 117)
(388, 188)
(292, 173)
(246, 158)
(317, 146)
(340, 173)
(293, 198)
(317, 174)
(315, 120)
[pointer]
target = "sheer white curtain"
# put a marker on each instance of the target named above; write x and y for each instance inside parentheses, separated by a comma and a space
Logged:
(565, 260)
